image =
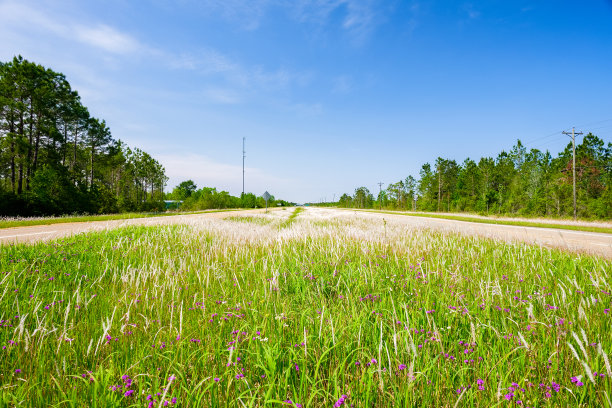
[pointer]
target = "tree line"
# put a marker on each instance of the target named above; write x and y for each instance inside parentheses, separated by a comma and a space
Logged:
(518, 182)
(56, 158)
(192, 198)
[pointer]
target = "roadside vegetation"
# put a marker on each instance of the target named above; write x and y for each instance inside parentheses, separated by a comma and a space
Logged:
(336, 309)
(501, 221)
(515, 183)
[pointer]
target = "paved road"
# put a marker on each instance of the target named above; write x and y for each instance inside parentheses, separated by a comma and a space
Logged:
(574, 241)
(38, 233)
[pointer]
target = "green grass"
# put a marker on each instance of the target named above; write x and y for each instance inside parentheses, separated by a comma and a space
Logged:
(291, 219)
(300, 317)
(250, 219)
(604, 230)
(89, 218)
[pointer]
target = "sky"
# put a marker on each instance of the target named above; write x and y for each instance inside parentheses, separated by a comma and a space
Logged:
(331, 95)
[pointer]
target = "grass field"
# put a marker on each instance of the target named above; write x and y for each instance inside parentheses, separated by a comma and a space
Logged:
(500, 221)
(301, 308)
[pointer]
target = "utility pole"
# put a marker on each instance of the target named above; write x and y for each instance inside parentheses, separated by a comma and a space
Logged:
(574, 133)
(243, 156)
(380, 183)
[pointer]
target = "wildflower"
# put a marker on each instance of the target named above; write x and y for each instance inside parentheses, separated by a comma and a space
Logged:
(297, 367)
(509, 396)
(17, 371)
(401, 367)
(340, 401)
(217, 379)
(373, 361)
(173, 401)
(129, 393)
(577, 381)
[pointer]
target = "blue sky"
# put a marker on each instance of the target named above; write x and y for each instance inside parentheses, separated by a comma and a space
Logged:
(330, 94)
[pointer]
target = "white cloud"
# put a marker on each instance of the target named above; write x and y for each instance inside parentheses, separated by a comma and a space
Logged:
(25, 19)
(107, 38)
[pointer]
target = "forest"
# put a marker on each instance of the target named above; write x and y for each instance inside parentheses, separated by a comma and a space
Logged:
(518, 182)
(57, 158)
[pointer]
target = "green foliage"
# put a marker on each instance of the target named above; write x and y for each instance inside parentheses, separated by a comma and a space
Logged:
(56, 158)
(184, 190)
(528, 183)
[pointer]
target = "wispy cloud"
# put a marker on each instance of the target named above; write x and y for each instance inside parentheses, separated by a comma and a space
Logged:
(205, 171)
(21, 17)
(107, 38)
(247, 14)
(359, 17)
(235, 80)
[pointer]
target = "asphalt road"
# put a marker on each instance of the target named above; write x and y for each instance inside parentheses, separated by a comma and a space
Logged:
(591, 243)
(39, 233)
(574, 241)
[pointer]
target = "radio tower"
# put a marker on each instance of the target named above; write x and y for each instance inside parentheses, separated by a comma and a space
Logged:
(243, 156)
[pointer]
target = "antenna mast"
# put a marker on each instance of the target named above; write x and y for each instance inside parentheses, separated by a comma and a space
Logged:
(243, 156)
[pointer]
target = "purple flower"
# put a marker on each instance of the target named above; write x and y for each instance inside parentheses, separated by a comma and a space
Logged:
(217, 379)
(129, 393)
(18, 370)
(509, 396)
(173, 401)
(401, 367)
(577, 381)
(373, 361)
(341, 399)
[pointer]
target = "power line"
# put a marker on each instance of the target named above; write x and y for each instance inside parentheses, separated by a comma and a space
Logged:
(595, 123)
(574, 133)
(558, 132)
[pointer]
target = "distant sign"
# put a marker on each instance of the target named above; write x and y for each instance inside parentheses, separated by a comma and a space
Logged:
(266, 196)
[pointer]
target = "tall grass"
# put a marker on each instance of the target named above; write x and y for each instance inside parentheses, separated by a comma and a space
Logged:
(333, 309)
